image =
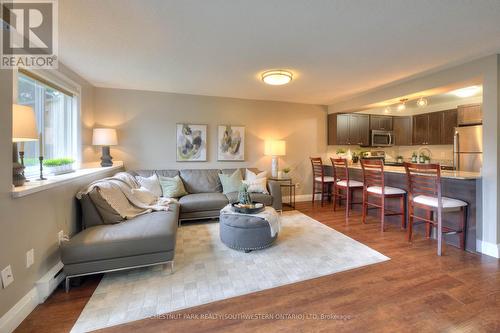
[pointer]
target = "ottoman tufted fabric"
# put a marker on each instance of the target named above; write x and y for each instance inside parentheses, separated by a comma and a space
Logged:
(245, 232)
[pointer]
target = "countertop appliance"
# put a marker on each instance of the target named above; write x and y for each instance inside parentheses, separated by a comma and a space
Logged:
(468, 148)
(381, 138)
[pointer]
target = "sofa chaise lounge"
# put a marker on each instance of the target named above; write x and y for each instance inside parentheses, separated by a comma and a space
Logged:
(149, 239)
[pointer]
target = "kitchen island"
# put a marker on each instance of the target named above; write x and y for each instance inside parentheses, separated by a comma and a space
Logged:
(461, 185)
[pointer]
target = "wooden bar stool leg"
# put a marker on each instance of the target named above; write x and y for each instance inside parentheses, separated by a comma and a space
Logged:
(410, 221)
(314, 192)
(402, 209)
(347, 201)
(335, 195)
(322, 193)
(464, 230)
(428, 225)
(365, 206)
(382, 214)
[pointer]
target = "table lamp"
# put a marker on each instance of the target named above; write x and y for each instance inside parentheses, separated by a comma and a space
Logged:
(105, 137)
(275, 148)
(23, 130)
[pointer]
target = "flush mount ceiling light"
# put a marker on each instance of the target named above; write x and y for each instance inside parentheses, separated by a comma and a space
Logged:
(277, 77)
(466, 92)
(421, 102)
(402, 106)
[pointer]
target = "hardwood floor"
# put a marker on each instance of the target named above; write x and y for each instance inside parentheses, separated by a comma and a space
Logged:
(415, 291)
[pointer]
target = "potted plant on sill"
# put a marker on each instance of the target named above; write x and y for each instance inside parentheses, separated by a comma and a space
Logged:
(59, 166)
(400, 159)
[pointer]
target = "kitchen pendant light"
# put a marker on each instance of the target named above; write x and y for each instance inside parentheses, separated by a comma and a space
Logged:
(421, 102)
(277, 77)
(402, 106)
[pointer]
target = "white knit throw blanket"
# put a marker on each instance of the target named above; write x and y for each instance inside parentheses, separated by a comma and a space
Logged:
(117, 191)
(268, 214)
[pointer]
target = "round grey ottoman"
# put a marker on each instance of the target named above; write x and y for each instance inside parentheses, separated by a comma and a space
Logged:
(245, 232)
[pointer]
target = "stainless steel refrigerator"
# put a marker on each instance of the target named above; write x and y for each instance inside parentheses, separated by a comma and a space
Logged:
(468, 148)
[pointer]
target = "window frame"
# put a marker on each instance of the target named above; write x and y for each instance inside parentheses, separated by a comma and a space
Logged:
(57, 79)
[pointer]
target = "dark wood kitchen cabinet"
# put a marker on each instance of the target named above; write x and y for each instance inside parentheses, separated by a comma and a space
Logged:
(449, 122)
(436, 128)
(359, 129)
(402, 127)
(381, 123)
(348, 129)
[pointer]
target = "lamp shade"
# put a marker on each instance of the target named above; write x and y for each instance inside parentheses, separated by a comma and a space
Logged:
(104, 137)
(275, 148)
(23, 123)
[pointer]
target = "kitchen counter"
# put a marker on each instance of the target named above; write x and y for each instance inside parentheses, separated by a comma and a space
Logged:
(451, 174)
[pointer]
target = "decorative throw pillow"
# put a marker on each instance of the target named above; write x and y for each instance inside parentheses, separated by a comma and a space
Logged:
(250, 175)
(231, 183)
(144, 195)
(151, 183)
(108, 214)
(172, 187)
(257, 185)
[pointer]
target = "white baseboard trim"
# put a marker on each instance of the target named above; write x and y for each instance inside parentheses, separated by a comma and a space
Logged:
(42, 290)
(487, 248)
(301, 198)
(21, 310)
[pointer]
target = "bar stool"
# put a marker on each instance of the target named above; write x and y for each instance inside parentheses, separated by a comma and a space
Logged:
(343, 184)
(424, 185)
(319, 179)
(373, 176)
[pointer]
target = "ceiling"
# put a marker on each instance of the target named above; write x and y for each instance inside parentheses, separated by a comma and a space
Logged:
(444, 100)
(219, 47)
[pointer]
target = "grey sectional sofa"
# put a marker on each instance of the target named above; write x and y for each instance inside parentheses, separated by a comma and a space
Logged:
(205, 198)
(149, 239)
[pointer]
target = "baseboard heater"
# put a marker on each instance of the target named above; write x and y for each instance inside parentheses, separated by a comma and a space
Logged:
(49, 282)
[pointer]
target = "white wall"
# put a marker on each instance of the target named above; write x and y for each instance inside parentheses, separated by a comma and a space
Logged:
(487, 71)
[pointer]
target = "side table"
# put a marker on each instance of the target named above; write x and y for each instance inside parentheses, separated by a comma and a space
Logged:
(287, 183)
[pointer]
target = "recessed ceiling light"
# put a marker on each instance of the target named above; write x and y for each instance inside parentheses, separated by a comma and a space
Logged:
(277, 77)
(466, 92)
(421, 102)
(387, 109)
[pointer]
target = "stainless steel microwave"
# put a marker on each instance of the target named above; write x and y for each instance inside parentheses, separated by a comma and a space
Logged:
(382, 138)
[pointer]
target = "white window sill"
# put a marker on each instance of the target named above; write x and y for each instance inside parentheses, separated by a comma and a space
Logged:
(34, 186)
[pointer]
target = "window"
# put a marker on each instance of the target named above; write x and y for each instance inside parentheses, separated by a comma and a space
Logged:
(57, 119)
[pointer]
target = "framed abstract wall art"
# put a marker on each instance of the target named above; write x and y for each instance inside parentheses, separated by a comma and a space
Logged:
(191, 143)
(231, 143)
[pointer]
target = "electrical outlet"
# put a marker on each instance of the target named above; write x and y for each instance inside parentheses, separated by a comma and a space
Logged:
(30, 258)
(60, 237)
(7, 276)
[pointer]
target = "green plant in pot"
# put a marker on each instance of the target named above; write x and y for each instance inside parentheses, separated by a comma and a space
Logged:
(355, 157)
(400, 159)
(244, 196)
(58, 166)
(286, 171)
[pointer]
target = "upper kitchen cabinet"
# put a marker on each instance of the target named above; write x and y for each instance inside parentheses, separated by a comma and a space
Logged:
(348, 129)
(359, 129)
(470, 114)
(449, 122)
(427, 129)
(381, 123)
(402, 127)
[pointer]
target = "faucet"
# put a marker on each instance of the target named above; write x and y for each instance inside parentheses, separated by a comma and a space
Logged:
(419, 152)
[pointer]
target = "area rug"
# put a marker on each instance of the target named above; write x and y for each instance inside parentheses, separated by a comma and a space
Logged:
(207, 271)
